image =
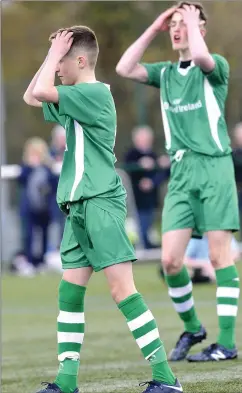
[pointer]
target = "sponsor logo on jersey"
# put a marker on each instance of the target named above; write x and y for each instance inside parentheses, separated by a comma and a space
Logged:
(182, 108)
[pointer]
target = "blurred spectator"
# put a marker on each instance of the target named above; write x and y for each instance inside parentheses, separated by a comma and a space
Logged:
(57, 150)
(197, 259)
(142, 163)
(198, 263)
(38, 185)
(237, 157)
(58, 143)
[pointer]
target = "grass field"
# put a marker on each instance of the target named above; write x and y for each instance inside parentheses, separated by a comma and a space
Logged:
(111, 362)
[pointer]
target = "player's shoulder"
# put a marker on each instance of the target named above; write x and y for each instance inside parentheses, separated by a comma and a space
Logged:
(220, 59)
(93, 88)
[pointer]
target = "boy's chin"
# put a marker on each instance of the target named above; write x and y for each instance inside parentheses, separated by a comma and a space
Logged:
(179, 47)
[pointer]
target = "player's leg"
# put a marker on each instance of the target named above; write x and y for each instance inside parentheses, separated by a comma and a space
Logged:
(107, 235)
(220, 212)
(71, 320)
(141, 322)
(177, 224)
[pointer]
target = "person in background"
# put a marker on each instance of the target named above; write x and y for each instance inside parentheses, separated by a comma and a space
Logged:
(141, 163)
(198, 263)
(37, 186)
(58, 143)
(237, 158)
(57, 150)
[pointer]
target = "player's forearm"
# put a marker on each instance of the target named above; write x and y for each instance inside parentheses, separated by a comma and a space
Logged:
(28, 95)
(198, 48)
(135, 52)
(45, 84)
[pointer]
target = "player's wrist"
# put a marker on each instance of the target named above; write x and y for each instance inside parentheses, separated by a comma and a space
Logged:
(192, 24)
(54, 57)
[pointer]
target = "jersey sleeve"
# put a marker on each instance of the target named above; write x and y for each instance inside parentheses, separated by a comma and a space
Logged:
(51, 113)
(154, 72)
(220, 74)
(83, 103)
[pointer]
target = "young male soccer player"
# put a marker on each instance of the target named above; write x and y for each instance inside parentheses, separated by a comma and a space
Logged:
(202, 193)
(92, 195)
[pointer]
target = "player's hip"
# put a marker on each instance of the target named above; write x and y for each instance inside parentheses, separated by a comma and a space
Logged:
(193, 172)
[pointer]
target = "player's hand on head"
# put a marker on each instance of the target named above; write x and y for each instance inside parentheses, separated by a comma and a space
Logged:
(191, 14)
(61, 44)
(162, 22)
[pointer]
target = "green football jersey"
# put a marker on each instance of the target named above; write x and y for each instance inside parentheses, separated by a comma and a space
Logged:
(87, 112)
(193, 105)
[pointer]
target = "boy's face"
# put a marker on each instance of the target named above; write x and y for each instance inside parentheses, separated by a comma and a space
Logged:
(68, 70)
(178, 32)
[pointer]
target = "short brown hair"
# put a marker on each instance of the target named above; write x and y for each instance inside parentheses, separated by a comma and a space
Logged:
(83, 38)
(199, 6)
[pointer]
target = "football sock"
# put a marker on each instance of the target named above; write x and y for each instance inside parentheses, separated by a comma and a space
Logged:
(144, 329)
(227, 304)
(180, 291)
(70, 324)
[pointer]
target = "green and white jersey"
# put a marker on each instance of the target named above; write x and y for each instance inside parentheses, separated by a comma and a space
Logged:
(192, 106)
(87, 112)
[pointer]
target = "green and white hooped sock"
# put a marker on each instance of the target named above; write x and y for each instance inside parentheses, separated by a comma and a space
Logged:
(180, 291)
(228, 290)
(70, 324)
(144, 329)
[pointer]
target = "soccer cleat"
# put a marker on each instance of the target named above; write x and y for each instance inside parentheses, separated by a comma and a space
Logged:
(52, 388)
(185, 342)
(213, 353)
(158, 387)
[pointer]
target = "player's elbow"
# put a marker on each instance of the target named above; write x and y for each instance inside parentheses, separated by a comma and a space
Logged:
(121, 71)
(39, 94)
(26, 99)
(29, 100)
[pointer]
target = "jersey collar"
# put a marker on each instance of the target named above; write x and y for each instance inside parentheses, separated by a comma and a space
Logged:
(184, 71)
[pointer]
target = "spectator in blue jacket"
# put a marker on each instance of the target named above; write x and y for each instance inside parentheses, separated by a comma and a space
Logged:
(37, 187)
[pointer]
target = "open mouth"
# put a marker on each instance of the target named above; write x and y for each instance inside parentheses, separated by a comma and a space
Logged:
(177, 38)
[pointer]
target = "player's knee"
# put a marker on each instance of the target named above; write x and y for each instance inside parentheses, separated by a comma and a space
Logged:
(215, 257)
(119, 292)
(171, 264)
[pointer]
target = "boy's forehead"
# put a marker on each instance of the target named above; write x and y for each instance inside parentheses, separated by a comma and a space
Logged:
(177, 17)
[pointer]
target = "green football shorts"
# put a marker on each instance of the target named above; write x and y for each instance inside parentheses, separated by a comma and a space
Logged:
(201, 195)
(95, 236)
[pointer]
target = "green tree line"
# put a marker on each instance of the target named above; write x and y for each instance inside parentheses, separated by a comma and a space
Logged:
(26, 27)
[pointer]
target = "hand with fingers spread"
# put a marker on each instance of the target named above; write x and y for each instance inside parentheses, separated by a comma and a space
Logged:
(191, 15)
(162, 22)
(61, 44)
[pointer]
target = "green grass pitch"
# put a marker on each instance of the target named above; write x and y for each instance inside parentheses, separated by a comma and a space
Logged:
(110, 359)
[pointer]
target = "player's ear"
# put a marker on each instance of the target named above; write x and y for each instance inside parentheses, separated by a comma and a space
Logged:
(82, 61)
(203, 28)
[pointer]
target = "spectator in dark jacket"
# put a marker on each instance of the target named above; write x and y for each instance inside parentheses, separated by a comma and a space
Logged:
(237, 158)
(141, 162)
(37, 187)
(57, 150)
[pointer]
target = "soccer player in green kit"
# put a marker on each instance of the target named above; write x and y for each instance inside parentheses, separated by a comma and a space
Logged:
(94, 199)
(201, 196)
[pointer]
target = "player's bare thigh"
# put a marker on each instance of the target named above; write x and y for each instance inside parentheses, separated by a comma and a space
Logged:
(174, 244)
(220, 252)
(79, 276)
(120, 281)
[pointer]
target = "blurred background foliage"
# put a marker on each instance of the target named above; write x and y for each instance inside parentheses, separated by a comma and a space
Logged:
(26, 27)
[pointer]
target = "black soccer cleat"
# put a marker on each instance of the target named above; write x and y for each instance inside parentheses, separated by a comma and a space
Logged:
(158, 387)
(185, 342)
(214, 353)
(52, 388)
